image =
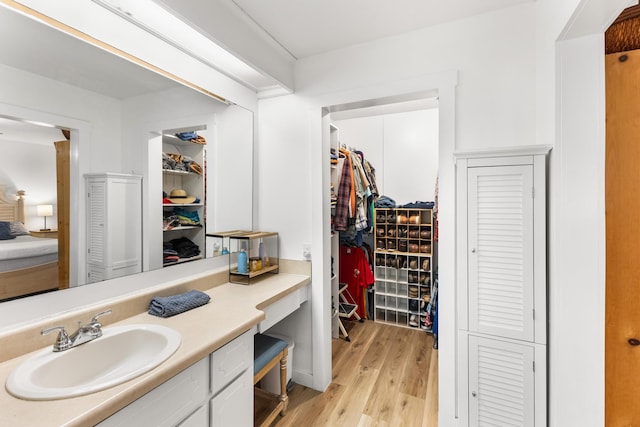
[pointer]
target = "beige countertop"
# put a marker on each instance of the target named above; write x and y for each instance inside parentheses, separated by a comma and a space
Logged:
(233, 309)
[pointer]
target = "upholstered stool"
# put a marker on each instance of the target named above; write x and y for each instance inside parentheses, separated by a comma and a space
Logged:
(267, 353)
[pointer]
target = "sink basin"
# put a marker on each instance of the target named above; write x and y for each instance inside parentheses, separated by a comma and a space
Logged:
(122, 353)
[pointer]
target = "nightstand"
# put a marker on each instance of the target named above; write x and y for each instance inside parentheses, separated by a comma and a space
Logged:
(51, 234)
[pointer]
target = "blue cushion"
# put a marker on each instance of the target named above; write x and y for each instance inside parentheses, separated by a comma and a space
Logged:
(265, 348)
(5, 231)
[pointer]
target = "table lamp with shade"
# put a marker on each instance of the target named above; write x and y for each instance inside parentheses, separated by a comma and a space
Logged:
(45, 211)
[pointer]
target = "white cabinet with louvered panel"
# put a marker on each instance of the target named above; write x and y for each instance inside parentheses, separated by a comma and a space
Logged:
(502, 287)
(114, 225)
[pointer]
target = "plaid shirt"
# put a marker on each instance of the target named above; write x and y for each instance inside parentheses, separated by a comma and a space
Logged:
(340, 220)
(361, 187)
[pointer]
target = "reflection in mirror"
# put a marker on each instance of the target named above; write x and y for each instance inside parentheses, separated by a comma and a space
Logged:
(31, 258)
(113, 108)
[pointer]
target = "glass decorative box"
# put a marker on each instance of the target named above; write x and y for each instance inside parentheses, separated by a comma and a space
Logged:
(219, 241)
(252, 254)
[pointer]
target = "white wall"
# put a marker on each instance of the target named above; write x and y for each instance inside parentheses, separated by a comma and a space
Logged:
(494, 53)
(494, 105)
(403, 148)
(577, 254)
(31, 167)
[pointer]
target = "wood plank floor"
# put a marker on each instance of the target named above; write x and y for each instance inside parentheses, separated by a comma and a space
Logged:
(386, 376)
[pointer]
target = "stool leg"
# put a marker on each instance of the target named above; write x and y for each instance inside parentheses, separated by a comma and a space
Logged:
(283, 382)
(344, 331)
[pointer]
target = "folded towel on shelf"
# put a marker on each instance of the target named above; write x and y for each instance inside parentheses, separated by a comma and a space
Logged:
(176, 304)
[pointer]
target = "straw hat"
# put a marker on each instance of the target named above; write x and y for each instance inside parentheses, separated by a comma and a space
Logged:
(180, 196)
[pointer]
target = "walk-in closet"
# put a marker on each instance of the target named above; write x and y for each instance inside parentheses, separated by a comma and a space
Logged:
(383, 193)
(388, 222)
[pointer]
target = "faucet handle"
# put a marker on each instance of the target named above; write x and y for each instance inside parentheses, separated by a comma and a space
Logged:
(62, 342)
(94, 319)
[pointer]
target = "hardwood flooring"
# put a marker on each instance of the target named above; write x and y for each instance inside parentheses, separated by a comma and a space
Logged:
(386, 376)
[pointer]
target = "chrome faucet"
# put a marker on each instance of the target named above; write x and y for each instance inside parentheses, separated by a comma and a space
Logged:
(85, 333)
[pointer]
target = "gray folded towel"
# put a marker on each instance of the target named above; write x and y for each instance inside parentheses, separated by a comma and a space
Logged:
(176, 304)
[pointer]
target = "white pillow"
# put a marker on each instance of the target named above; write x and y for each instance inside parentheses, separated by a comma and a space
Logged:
(18, 229)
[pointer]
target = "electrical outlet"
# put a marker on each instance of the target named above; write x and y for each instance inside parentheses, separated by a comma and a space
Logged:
(306, 251)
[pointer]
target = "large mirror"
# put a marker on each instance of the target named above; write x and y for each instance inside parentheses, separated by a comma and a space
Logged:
(112, 112)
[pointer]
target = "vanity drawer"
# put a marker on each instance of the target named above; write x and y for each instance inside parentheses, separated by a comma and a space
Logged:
(232, 406)
(228, 362)
(282, 308)
(167, 404)
(198, 419)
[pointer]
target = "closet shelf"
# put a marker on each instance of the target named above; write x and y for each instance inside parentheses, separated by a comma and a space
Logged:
(182, 227)
(182, 260)
(173, 205)
(183, 173)
(393, 252)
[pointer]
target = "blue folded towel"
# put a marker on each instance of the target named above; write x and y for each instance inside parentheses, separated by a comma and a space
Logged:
(176, 304)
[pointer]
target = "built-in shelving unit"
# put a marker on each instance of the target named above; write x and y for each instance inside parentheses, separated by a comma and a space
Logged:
(183, 174)
(404, 266)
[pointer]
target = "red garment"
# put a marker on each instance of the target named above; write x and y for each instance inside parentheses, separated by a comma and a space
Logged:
(356, 272)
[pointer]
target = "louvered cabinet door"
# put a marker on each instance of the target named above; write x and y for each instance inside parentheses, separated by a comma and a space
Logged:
(500, 251)
(501, 383)
(96, 223)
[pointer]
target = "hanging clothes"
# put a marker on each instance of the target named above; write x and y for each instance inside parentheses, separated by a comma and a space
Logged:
(356, 194)
(355, 271)
(343, 199)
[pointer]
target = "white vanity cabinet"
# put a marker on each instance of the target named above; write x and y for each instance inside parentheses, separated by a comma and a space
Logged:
(217, 391)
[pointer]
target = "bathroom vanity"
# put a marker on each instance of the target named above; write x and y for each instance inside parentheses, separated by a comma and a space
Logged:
(208, 381)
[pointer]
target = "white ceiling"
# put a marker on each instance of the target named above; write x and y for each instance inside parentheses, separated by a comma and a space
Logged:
(309, 27)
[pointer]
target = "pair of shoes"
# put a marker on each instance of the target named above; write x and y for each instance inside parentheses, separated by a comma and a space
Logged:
(412, 321)
(425, 324)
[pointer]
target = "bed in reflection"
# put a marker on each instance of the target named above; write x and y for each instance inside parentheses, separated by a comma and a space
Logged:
(28, 264)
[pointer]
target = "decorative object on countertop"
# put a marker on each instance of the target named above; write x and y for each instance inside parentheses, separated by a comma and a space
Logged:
(221, 239)
(243, 263)
(261, 247)
(176, 304)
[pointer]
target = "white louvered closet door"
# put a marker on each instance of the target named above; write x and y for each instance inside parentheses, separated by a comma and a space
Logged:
(500, 245)
(501, 383)
(96, 225)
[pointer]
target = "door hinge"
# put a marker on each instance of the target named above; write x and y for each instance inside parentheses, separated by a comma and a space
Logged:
(534, 366)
